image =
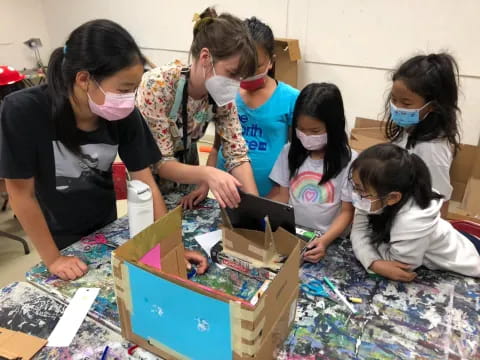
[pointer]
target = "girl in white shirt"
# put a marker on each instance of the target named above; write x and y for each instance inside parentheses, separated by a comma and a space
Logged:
(311, 172)
(397, 225)
(422, 114)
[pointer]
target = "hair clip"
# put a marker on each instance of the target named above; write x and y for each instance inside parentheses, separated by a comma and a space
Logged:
(64, 49)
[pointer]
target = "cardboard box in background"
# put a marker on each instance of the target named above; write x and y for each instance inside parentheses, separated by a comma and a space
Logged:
(465, 179)
(471, 198)
(176, 318)
(366, 133)
(361, 123)
(465, 166)
(464, 173)
(287, 52)
(363, 138)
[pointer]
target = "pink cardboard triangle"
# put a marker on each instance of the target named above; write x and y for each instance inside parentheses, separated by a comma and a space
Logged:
(152, 258)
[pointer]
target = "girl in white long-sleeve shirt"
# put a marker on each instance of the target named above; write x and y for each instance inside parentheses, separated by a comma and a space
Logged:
(397, 225)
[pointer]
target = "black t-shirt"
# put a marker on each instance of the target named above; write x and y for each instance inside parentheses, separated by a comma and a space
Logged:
(75, 193)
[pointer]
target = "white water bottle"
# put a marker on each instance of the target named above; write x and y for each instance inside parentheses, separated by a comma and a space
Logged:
(140, 206)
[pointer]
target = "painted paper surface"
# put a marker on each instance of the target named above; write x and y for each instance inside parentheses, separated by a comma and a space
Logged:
(189, 323)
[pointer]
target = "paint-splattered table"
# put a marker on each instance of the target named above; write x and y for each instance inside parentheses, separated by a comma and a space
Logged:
(25, 308)
(435, 317)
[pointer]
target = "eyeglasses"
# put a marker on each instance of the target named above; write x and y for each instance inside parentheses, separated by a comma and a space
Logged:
(361, 193)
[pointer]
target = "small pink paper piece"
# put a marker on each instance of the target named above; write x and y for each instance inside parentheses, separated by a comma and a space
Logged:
(152, 258)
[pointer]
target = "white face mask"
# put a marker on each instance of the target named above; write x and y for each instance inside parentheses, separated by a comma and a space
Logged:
(365, 204)
(312, 142)
(222, 89)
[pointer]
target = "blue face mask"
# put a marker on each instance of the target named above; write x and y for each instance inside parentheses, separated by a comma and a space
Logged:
(405, 117)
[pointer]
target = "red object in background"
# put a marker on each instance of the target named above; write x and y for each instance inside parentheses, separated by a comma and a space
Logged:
(9, 76)
(468, 227)
(119, 173)
(205, 148)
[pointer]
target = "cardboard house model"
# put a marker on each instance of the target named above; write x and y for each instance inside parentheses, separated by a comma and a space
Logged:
(176, 318)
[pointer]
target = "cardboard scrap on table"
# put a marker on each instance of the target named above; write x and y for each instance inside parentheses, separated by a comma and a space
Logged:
(17, 345)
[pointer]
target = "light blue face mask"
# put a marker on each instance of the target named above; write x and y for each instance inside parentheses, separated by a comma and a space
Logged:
(405, 117)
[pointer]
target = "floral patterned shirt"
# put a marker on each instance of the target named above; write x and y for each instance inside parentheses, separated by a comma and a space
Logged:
(155, 98)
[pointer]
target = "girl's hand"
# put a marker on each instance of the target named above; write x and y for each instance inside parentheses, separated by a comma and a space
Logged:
(195, 197)
(316, 251)
(223, 186)
(68, 267)
(393, 270)
(194, 257)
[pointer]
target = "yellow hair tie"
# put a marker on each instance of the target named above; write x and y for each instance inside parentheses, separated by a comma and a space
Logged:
(198, 20)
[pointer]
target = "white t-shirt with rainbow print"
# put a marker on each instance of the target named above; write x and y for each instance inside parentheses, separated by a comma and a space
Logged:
(316, 206)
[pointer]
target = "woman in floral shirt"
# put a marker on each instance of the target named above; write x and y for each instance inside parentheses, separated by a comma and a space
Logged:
(222, 53)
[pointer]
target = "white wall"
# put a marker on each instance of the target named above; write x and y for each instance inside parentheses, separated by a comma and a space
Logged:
(352, 43)
(364, 80)
(20, 21)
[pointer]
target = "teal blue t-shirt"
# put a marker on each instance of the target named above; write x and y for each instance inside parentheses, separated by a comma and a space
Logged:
(265, 130)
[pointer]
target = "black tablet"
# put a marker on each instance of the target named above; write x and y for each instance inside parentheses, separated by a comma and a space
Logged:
(252, 210)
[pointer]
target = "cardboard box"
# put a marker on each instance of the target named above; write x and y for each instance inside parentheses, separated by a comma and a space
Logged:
(17, 345)
(464, 177)
(361, 123)
(287, 53)
(363, 138)
(175, 318)
(471, 198)
(366, 133)
(465, 166)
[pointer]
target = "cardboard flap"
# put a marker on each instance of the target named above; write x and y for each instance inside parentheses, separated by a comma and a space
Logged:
(17, 345)
(268, 235)
(367, 123)
(225, 219)
(291, 46)
(366, 133)
(362, 142)
(167, 231)
(465, 164)
(252, 236)
(476, 164)
(374, 132)
(471, 198)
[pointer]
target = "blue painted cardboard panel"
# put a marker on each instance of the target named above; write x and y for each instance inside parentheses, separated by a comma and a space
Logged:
(192, 324)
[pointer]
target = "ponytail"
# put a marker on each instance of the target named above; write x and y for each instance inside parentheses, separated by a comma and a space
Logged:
(65, 126)
(422, 191)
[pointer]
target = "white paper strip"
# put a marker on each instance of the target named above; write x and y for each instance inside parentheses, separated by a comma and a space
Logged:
(73, 317)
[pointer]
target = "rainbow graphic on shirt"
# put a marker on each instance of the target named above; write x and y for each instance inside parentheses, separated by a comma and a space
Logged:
(305, 188)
